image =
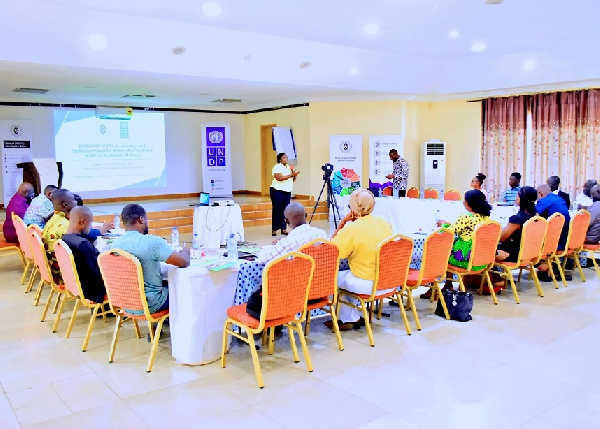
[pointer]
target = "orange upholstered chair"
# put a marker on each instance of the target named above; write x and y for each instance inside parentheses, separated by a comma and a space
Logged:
(324, 286)
(592, 249)
(555, 226)
(387, 191)
(41, 261)
(25, 246)
(575, 241)
(124, 281)
(285, 290)
(532, 241)
(412, 193)
(38, 231)
(452, 195)
(7, 248)
(483, 253)
(436, 252)
(431, 194)
(393, 259)
(69, 275)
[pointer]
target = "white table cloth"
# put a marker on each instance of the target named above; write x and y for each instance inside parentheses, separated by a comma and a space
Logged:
(198, 303)
(214, 224)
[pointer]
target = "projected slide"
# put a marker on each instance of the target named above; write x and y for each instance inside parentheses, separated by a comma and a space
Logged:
(106, 154)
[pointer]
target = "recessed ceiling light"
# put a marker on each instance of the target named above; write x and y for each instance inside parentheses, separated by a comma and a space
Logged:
(494, 1)
(354, 70)
(97, 42)
(212, 9)
(247, 57)
(371, 29)
(478, 47)
(178, 50)
(305, 64)
(528, 65)
(453, 34)
(31, 90)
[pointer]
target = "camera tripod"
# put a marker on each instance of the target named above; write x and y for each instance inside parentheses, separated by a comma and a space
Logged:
(331, 203)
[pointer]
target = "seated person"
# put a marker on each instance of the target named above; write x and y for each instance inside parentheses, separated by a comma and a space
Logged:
(510, 195)
(554, 182)
(150, 250)
(18, 204)
(84, 253)
(41, 208)
(510, 238)
(477, 183)
(478, 211)
(358, 241)
(584, 200)
(593, 232)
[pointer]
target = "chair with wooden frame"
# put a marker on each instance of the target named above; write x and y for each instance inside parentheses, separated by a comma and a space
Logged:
(530, 253)
(70, 276)
(413, 193)
(324, 282)
(393, 260)
(483, 254)
(36, 270)
(387, 191)
(452, 195)
(285, 290)
(124, 282)
(436, 251)
(575, 240)
(25, 247)
(431, 194)
(555, 226)
(41, 260)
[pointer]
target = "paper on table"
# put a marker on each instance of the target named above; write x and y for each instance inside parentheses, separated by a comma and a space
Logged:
(220, 266)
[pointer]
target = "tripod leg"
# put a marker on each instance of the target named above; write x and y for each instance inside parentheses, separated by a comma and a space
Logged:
(317, 203)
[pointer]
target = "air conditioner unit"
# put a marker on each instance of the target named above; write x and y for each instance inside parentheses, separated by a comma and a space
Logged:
(118, 113)
(433, 165)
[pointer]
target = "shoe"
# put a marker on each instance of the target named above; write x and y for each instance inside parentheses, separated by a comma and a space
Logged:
(343, 326)
(284, 232)
(274, 234)
(393, 303)
(543, 276)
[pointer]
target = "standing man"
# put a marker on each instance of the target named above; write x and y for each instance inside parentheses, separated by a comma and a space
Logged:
(400, 173)
(18, 204)
(510, 195)
(554, 183)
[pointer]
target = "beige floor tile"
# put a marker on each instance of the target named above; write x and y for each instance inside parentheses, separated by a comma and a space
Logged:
(392, 420)
(248, 417)
(581, 410)
(8, 419)
(37, 405)
(82, 393)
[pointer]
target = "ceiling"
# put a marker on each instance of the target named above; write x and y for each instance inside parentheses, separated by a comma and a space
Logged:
(254, 50)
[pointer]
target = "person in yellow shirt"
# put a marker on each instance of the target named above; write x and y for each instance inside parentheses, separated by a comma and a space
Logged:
(358, 241)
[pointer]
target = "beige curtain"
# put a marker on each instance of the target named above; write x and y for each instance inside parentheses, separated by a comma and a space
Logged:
(504, 142)
(566, 138)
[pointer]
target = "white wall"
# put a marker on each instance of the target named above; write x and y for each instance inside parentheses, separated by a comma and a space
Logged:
(183, 148)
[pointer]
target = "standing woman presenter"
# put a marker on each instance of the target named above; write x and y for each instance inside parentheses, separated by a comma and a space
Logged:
(280, 192)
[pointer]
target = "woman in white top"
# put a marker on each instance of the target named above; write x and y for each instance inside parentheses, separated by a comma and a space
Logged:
(280, 192)
(477, 182)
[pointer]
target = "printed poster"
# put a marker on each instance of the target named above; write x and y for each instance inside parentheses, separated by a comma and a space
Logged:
(216, 160)
(16, 148)
(380, 164)
(345, 153)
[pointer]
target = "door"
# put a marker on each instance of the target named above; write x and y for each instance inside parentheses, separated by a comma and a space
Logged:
(268, 156)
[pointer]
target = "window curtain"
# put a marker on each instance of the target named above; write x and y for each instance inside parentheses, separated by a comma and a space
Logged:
(504, 142)
(566, 138)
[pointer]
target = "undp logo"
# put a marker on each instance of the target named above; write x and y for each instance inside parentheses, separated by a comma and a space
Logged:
(215, 137)
(346, 146)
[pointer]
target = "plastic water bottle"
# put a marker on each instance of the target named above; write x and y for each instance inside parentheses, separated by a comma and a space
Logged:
(421, 195)
(174, 238)
(232, 253)
(380, 192)
(117, 221)
(441, 195)
(195, 246)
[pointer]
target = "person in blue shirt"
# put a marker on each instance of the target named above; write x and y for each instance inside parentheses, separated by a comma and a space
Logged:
(510, 195)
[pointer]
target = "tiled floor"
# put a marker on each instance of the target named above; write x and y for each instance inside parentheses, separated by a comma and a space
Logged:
(532, 365)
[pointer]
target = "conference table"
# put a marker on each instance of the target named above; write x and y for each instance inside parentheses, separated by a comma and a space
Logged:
(214, 224)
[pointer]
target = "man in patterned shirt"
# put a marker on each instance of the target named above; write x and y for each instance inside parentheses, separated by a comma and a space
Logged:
(510, 195)
(41, 208)
(400, 173)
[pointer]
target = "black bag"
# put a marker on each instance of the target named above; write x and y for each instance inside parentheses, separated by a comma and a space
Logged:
(459, 305)
(254, 304)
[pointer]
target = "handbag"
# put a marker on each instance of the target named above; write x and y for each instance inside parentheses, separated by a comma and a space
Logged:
(459, 305)
(254, 304)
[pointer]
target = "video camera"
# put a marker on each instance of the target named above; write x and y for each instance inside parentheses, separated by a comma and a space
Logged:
(327, 170)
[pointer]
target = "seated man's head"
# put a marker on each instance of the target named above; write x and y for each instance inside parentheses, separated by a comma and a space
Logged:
(595, 193)
(135, 218)
(80, 220)
(63, 201)
(514, 180)
(26, 190)
(589, 184)
(543, 190)
(49, 190)
(362, 202)
(553, 182)
(295, 215)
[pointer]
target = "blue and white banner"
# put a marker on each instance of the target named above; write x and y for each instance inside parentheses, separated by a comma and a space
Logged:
(216, 160)
(15, 136)
(380, 164)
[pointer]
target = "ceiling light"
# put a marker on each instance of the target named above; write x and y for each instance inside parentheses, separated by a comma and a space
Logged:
(453, 34)
(528, 65)
(247, 57)
(212, 9)
(494, 1)
(478, 47)
(178, 50)
(31, 90)
(227, 100)
(97, 42)
(371, 29)
(305, 64)
(354, 70)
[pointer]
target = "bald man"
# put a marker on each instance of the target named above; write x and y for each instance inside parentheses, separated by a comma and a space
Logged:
(18, 204)
(549, 203)
(84, 253)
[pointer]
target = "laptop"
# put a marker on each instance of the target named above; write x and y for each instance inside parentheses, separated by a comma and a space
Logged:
(204, 200)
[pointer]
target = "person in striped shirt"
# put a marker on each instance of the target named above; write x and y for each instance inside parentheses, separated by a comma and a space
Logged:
(510, 195)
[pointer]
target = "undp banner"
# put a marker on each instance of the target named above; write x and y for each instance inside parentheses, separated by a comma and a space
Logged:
(345, 153)
(216, 160)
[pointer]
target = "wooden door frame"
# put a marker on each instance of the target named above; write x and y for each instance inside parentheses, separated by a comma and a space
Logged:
(264, 181)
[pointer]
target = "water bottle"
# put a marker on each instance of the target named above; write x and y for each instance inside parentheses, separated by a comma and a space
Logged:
(422, 194)
(380, 193)
(232, 253)
(117, 221)
(441, 195)
(175, 238)
(195, 245)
